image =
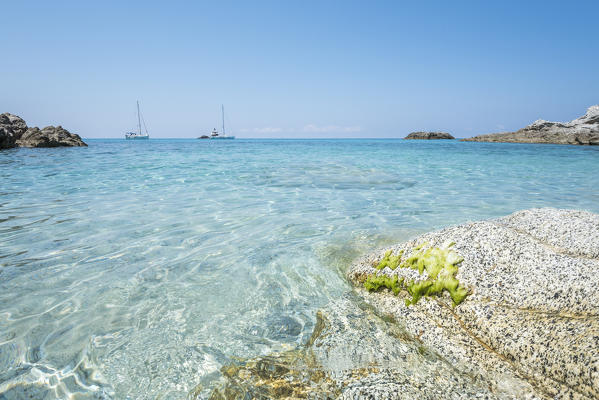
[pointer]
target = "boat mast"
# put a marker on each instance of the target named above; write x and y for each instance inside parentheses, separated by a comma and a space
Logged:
(223, 114)
(138, 120)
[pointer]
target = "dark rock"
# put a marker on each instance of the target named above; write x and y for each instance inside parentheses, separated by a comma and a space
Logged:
(429, 135)
(7, 139)
(583, 130)
(283, 327)
(50, 136)
(11, 129)
(14, 132)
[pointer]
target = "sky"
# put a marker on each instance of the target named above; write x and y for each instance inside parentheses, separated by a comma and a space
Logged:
(295, 69)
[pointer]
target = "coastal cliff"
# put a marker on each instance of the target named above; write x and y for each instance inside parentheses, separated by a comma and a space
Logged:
(14, 132)
(429, 135)
(525, 325)
(583, 130)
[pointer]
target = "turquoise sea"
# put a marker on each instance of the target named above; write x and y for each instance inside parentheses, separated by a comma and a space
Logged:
(136, 270)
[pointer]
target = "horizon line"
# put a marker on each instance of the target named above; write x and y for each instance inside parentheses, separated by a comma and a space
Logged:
(275, 138)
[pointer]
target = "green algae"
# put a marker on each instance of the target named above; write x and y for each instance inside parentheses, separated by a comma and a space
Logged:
(389, 260)
(375, 282)
(440, 264)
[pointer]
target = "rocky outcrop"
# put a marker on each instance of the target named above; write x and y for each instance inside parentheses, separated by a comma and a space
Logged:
(50, 136)
(15, 133)
(429, 135)
(533, 304)
(11, 129)
(527, 329)
(583, 130)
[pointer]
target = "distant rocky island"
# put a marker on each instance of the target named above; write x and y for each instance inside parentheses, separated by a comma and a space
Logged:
(583, 130)
(429, 135)
(14, 132)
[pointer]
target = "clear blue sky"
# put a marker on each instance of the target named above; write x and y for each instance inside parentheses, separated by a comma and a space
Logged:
(298, 69)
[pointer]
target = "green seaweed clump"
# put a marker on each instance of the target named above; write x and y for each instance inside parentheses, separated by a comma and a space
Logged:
(375, 282)
(441, 266)
(389, 260)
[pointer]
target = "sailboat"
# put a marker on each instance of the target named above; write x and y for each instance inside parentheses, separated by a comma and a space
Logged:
(214, 134)
(138, 135)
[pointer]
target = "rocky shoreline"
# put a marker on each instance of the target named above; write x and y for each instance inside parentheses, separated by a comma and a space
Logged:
(581, 131)
(14, 132)
(528, 327)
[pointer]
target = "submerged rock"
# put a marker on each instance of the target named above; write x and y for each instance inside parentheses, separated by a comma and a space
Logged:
(15, 133)
(354, 354)
(583, 130)
(429, 135)
(533, 304)
(50, 136)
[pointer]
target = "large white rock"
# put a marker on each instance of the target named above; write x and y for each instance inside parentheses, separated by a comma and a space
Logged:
(528, 330)
(534, 303)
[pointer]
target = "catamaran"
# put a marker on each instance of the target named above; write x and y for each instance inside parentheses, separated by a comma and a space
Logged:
(138, 135)
(214, 134)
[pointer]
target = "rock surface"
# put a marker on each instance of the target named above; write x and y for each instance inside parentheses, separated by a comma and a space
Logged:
(11, 129)
(583, 130)
(15, 133)
(429, 135)
(529, 328)
(355, 354)
(533, 310)
(50, 136)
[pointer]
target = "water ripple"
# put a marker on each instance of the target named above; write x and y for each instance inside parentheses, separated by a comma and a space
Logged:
(138, 269)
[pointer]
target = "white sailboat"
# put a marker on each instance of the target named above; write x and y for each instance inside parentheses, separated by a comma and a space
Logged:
(138, 135)
(214, 134)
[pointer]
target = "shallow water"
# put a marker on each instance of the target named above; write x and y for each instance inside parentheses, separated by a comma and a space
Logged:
(137, 269)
